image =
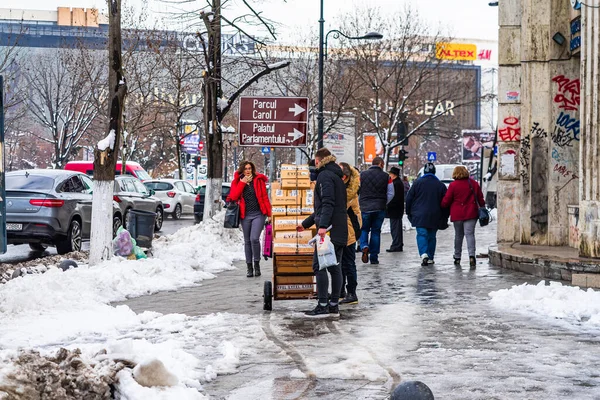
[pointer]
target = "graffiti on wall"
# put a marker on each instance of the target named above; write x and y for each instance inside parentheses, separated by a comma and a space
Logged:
(566, 130)
(512, 130)
(569, 92)
(524, 155)
(537, 131)
(564, 171)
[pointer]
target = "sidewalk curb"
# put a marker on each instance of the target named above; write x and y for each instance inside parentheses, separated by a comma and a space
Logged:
(577, 271)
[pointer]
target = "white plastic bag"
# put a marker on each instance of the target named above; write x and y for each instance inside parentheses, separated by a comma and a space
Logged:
(326, 253)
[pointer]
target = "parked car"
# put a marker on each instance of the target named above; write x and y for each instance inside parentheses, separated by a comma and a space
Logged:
(177, 196)
(130, 193)
(131, 168)
(443, 173)
(50, 208)
(199, 203)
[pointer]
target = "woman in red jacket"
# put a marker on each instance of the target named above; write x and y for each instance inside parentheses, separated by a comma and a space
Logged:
(249, 188)
(461, 198)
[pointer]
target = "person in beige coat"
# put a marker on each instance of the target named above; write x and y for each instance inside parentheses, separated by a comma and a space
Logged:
(351, 179)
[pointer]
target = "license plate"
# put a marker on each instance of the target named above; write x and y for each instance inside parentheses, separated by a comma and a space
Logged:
(14, 227)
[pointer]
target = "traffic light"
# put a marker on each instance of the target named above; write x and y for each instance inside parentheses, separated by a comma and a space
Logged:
(197, 160)
(402, 156)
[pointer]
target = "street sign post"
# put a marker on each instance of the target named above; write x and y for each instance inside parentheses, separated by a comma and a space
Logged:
(431, 156)
(273, 121)
(2, 181)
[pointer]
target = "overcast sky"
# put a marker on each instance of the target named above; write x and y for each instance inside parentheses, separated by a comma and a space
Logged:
(463, 18)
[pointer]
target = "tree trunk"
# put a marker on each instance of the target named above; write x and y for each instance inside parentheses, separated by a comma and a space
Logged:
(213, 116)
(105, 157)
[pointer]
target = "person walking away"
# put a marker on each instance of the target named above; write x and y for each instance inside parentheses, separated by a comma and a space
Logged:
(376, 190)
(329, 211)
(250, 189)
(462, 197)
(406, 185)
(351, 179)
(395, 211)
(424, 210)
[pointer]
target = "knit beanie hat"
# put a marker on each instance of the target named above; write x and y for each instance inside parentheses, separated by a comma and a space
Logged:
(429, 168)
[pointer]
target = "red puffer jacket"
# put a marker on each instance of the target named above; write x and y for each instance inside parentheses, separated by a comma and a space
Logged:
(260, 187)
(461, 201)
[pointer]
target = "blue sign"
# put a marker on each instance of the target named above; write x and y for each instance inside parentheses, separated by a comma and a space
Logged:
(431, 156)
(266, 150)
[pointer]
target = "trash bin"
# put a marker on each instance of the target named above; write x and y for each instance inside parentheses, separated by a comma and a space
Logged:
(141, 227)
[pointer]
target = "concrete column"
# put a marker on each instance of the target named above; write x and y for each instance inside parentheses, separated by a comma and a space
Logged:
(589, 245)
(509, 115)
(541, 129)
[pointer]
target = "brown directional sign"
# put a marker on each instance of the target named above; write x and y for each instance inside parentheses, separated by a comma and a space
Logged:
(273, 121)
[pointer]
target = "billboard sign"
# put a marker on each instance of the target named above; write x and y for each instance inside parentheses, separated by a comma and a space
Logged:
(473, 144)
(372, 147)
(273, 121)
(456, 51)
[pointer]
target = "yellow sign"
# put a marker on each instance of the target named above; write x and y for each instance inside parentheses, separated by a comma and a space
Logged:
(456, 51)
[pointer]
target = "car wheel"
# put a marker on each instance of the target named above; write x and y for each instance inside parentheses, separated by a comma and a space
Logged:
(38, 246)
(117, 223)
(73, 242)
(177, 212)
(126, 219)
(159, 219)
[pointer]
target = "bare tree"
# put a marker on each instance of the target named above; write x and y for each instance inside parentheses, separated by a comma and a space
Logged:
(62, 98)
(402, 79)
(107, 151)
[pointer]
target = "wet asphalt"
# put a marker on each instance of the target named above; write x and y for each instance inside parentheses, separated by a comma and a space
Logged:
(434, 324)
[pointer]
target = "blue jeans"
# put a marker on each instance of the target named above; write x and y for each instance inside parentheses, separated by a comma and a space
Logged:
(426, 241)
(371, 223)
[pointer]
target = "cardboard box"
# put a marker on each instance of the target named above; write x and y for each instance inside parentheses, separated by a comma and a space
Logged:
(288, 223)
(280, 197)
(293, 237)
(295, 183)
(294, 210)
(308, 198)
(292, 248)
(307, 210)
(293, 172)
(279, 211)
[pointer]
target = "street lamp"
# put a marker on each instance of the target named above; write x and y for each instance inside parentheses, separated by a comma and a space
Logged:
(322, 55)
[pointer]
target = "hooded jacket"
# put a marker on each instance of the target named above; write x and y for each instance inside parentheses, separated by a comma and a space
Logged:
(423, 202)
(260, 188)
(353, 207)
(330, 202)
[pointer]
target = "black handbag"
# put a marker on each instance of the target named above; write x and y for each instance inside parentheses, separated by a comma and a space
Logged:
(232, 215)
(483, 215)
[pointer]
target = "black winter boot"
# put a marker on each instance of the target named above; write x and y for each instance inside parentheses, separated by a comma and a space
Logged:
(250, 273)
(256, 268)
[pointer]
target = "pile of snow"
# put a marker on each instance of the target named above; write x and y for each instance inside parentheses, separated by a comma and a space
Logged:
(556, 301)
(72, 309)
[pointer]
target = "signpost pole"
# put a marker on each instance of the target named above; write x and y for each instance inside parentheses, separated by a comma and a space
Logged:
(2, 181)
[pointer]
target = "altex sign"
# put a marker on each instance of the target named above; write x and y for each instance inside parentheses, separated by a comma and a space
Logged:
(456, 51)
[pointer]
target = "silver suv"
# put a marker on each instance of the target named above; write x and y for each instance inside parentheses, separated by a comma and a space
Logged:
(131, 194)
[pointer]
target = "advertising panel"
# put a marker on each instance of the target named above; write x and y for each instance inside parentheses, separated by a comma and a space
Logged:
(372, 147)
(473, 144)
(456, 51)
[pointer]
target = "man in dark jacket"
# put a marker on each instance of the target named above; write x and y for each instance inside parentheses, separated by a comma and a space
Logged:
(423, 207)
(330, 211)
(376, 190)
(395, 211)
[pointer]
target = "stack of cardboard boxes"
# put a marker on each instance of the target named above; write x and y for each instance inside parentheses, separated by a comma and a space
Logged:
(292, 199)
